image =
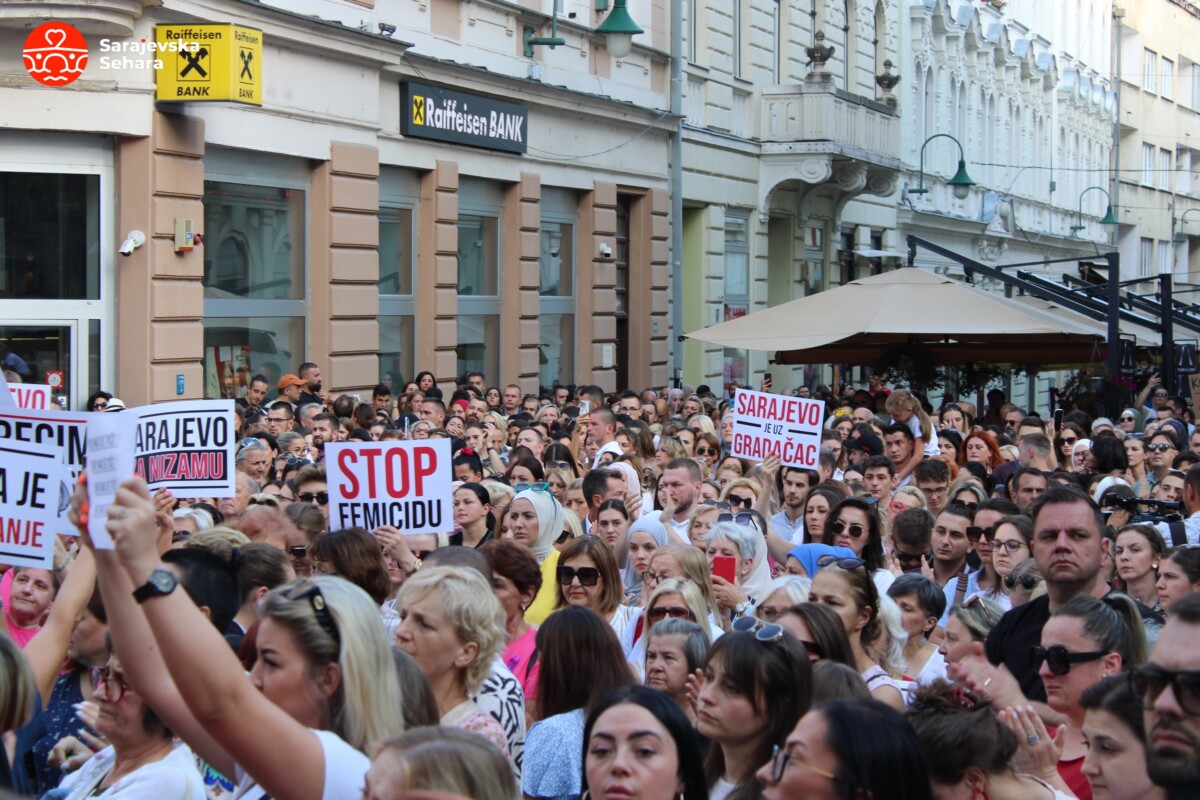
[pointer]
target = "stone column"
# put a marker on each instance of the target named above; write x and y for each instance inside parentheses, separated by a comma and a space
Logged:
(437, 275)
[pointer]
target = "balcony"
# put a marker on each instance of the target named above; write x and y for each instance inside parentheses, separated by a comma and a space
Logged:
(820, 136)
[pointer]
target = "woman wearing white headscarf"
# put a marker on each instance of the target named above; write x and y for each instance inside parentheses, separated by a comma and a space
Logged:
(644, 537)
(535, 519)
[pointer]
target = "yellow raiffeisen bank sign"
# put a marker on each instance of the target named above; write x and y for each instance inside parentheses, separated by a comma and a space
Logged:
(214, 63)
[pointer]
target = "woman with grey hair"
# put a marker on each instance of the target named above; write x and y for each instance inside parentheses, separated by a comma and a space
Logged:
(675, 649)
(746, 547)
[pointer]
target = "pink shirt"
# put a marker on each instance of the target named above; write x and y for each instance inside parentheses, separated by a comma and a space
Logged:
(517, 657)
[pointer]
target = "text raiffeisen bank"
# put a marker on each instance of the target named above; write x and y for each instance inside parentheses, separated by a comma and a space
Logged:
(142, 54)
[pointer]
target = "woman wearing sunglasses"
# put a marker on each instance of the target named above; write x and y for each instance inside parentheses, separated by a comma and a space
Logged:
(756, 687)
(1083, 642)
(844, 585)
(855, 524)
(323, 689)
(588, 577)
(1130, 421)
(1064, 444)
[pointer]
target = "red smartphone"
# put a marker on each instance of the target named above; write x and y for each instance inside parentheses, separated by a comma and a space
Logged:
(724, 567)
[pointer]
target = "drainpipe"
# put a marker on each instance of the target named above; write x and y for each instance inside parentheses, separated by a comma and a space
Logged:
(676, 180)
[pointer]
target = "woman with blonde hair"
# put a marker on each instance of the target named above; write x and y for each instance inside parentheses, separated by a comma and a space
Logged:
(688, 563)
(669, 449)
(453, 625)
(702, 518)
(439, 759)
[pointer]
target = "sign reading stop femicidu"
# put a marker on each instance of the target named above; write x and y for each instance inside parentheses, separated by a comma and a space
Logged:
(405, 484)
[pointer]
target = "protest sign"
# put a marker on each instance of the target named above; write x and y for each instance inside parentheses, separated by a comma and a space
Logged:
(402, 484)
(186, 447)
(33, 496)
(110, 461)
(6, 400)
(63, 433)
(31, 395)
(789, 427)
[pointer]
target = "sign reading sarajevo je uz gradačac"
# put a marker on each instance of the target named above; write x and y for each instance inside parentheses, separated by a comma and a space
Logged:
(789, 427)
(431, 112)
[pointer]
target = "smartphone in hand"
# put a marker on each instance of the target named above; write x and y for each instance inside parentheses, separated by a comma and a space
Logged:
(724, 567)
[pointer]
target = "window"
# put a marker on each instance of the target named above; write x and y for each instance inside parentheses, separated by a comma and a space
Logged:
(1166, 257)
(1148, 164)
(1149, 67)
(1164, 169)
(1168, 78)
(398, 193)
(1145, 257)
(736, 293)
(480, 208)
(255, 224)
(556, 270)
(49, 232)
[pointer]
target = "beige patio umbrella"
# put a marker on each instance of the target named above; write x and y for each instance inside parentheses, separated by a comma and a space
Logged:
(956, 322)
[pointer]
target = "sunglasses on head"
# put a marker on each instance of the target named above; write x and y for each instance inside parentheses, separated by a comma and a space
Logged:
(742, 518)
(856, 529)
(321, 498)
(560, 465)
(588, 576)
(1026, 582)
(523, 486)
(843, 563)
(1059, 659)
(762, 632)
(312, 593)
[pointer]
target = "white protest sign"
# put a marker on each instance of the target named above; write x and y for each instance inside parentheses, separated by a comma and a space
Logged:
(32, 395)
(6, 400)
(186, 447)
(110, 461)
(789, 427)
(402, 484)
(33, 494)
(62, 432)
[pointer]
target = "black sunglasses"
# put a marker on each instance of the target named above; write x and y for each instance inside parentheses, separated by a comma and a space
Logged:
(312, 593)
(1027, 582)
(1059, 658)
(298, 552)
(741, 518)
(908, 558)
(706, 451)
(322, 498)
(588, 576)
(856, 529)
(975, 533)
(744, 502)
(1149, 681)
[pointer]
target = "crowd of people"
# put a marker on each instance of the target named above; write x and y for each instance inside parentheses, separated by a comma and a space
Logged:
(953, 602)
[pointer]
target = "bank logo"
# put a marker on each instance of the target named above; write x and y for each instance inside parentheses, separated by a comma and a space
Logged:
(55, 54)
(418, 110)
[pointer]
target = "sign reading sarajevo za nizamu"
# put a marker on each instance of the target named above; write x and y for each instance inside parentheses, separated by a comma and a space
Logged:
(431, 112)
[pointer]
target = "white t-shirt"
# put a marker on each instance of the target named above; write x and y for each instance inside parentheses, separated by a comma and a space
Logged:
(345, 771)
(931, 445)
(172, 778)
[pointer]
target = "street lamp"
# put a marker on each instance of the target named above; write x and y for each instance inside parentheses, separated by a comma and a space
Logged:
(1181, 237)
(961, 182)
(1107, 219)
(620, 29)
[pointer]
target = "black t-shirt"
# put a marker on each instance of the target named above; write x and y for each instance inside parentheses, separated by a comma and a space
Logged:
(1010, 640)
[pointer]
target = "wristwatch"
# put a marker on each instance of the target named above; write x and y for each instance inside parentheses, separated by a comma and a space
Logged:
(161, 583)
(741, 608)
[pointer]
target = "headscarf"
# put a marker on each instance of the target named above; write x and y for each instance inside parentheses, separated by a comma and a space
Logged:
(648, 523)
(1139, 419)
(1082, 444)
(632, 480)
(550, 521)
(611, 447)
(809, 554)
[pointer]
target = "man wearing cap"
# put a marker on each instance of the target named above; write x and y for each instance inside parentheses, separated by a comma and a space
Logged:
(290, 387)
(311, 392)
(863, 446)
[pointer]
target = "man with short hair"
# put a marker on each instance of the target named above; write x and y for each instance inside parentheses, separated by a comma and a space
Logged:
(475, 381)
(280, 418)
(256, 393)
(898, 444)
(951, 543)
(912, 537)
(649, 413)
(510, 400)
(601, 425)
(381, 400)
(794, 484)
(1036, 450)
(533, 438)
(1190, 532)
(434, 411)
(1012, 418)
(1168, 685)
(680, 483)
(289, 387)
(629, 404)
(476, 408)
(311, 487)
(562, 396)
(1027, 485)
(1160, 452)
(324, 430)
(1029, 426)
(600, 484)
(305, 415)
(877, 477)
(932, 477)
(310, 373)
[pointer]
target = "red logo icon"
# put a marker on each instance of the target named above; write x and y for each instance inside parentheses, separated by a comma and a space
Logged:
(55, 54)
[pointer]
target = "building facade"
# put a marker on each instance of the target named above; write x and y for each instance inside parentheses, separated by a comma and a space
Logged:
(333, 227)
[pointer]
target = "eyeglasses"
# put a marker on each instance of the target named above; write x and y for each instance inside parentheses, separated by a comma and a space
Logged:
(856, 529)
(321, 498)
(524, 486)
(1071, 440)
(762, 632)
(1027, 582)
(659, 613)
(1161, 447)
(741, 518)
(896, 506)
(974, 533)
(588, 576)
(312, 593)
(706, 451)
(781, 758)
(560, 465)
(1126, 419)
(113, 687)
(1149, 681)
(1009, 546)
(744, 502)
(1059, 658)
(278, 419)
(844, 563)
